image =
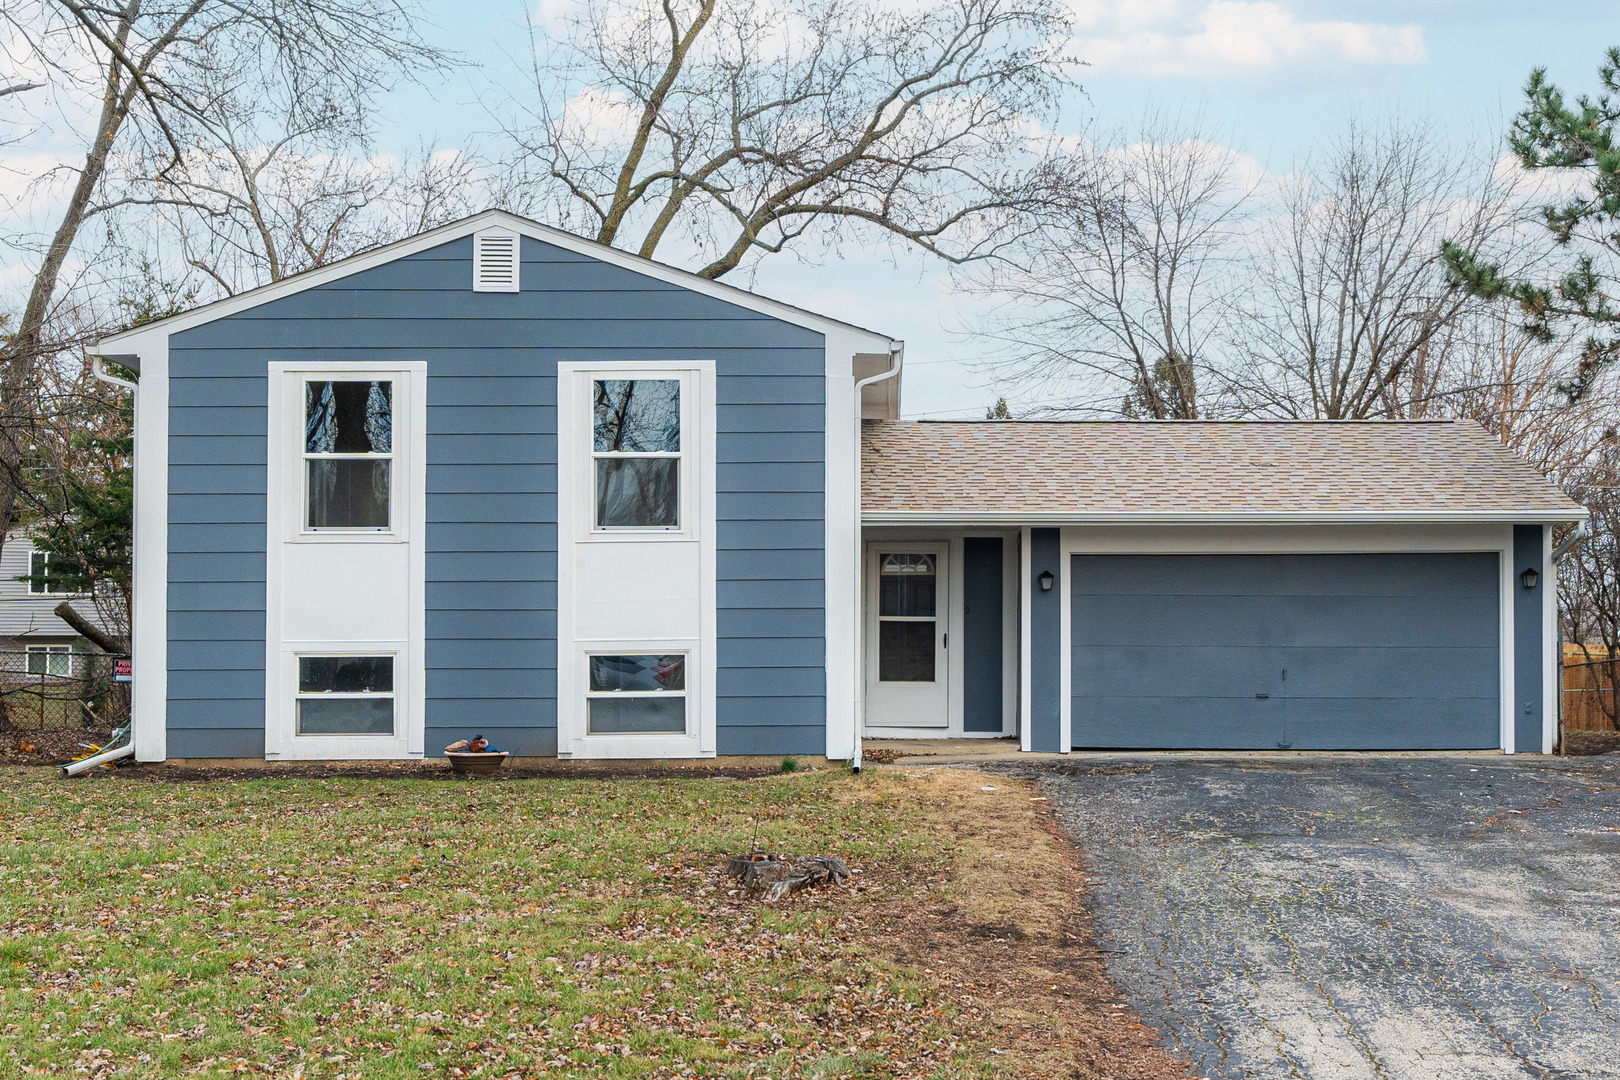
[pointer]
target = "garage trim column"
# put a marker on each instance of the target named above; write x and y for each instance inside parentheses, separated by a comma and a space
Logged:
(1044, 642)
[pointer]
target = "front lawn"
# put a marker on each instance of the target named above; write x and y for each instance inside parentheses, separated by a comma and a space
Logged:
(381, 928)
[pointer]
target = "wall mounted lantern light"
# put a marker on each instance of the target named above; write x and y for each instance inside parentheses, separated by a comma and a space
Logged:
(1046, 580)
(1530, 577)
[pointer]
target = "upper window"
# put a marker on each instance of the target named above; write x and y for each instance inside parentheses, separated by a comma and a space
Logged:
(636, 451)
(348, 454)
(39, 563)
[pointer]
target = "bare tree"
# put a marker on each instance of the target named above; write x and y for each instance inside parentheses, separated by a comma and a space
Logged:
(144, 74)
(744, 127)
(1114, 303)
(1349, 297)
(248, 212)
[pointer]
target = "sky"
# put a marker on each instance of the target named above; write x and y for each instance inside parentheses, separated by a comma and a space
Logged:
(1268, 78)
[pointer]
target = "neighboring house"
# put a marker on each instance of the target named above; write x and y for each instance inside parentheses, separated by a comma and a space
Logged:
(498, 479)
(28, 623)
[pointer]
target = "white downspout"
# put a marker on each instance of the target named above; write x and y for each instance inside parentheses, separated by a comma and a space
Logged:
(898, 354)
(98, 368)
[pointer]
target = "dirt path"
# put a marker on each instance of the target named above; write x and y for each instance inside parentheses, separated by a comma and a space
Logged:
(1007, 937)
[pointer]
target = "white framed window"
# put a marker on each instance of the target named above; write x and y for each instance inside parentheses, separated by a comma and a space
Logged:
(636, 694)
(348, 455)
(345, 695)
(52, 660)
(39, 563)
(636, 452)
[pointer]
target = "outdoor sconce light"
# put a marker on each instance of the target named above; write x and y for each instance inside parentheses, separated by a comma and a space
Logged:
(1046, 580)
(1530, 577)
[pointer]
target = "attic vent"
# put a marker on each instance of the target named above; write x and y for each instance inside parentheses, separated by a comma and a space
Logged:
(495, 262)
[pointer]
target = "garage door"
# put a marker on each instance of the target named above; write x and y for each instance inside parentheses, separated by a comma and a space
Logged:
(1389, 651)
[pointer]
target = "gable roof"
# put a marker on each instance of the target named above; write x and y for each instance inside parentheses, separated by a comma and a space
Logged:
(1142, 472)
(354, 264)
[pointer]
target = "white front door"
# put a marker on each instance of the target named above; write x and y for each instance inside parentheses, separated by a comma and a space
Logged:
(906, 605)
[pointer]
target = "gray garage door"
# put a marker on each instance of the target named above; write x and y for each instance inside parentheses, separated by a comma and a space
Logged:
(1318, 652)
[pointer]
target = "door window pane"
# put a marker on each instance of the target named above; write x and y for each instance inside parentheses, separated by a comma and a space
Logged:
(349, 493)
(906, 651)
(346, 716)
(906, 586)
(638, 492)
(345, 674)
(349, 417)
(638, 715)
(637, 416)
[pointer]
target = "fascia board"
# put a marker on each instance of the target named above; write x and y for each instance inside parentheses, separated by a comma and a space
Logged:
(122, 343)
(1312, 517)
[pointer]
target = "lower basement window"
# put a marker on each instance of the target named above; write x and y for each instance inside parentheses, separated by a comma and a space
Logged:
(637, 695)
(345, 695)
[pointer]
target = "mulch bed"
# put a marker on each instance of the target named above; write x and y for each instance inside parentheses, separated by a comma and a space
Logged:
(421, 770)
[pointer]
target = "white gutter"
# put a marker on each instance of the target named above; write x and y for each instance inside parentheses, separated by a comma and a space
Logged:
(98, 368)
(1012, 518)
(897, 352)
(1582, 531)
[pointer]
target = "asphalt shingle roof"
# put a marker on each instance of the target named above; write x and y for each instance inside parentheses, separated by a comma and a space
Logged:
(1198, 468)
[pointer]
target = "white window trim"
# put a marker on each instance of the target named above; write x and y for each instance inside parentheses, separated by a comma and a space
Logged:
(293, 380)
(42, 588)
(578, 462)
(684, 382)
(685, 694)
(575, 515)
(285, 524)
(388, 456)
(49, 651)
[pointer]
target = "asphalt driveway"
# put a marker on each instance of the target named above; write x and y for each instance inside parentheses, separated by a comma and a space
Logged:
(1338, 917)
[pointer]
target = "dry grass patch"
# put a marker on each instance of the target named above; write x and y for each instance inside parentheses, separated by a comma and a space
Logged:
(1002, 929)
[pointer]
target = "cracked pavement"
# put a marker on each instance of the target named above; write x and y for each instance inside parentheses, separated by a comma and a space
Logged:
(1431, 917)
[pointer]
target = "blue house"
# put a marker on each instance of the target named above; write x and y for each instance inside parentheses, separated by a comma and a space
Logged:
(496, 478)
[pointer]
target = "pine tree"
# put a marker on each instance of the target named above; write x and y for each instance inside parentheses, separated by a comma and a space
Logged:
(1549, 134)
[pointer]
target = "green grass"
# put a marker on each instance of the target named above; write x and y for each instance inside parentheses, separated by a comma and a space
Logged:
(363, 928)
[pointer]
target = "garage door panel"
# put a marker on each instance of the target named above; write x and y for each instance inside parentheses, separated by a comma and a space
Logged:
(1382, 651)
(1195, 672)
(1376, 672)
(1135, 722)
(1174, 621)
(1381, 573)
(1181, 575)
(1404, 620)
(1393, 724)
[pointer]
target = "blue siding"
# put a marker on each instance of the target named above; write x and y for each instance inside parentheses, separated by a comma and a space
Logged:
(492, 481)
(1046, 642)
(982, 637)
(1528, 648)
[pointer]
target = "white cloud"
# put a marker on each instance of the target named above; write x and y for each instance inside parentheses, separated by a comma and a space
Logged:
(1230, 39)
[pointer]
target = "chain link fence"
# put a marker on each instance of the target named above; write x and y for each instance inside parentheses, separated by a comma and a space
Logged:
(50, 689)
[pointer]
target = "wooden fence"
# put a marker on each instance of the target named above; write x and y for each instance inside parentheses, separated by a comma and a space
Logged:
(1591, 701)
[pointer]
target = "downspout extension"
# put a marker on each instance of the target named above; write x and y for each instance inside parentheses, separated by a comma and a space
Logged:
(897, 354)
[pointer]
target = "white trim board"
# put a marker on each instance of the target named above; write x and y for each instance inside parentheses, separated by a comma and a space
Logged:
(673, 623)
(121, 346)
(369, 630)
(949, 519)
(150, 562)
